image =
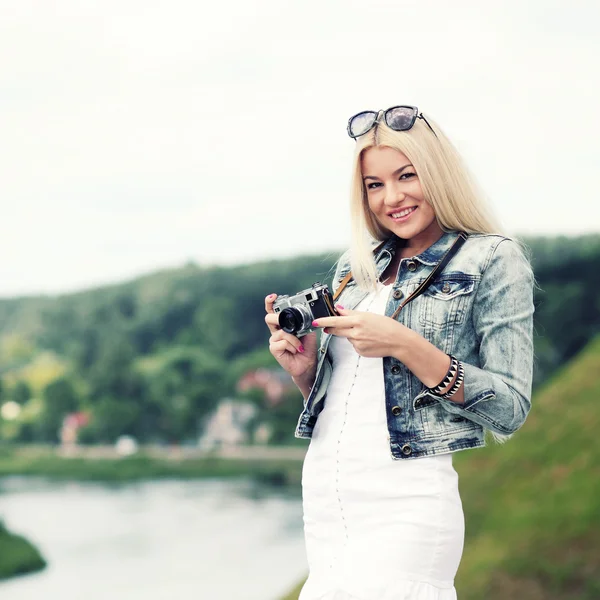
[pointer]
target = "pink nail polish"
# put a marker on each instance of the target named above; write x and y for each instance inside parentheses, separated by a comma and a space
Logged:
(339, 306)
(301, 348)
(315, 324)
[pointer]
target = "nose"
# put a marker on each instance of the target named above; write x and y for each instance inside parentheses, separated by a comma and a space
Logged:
(394, 197)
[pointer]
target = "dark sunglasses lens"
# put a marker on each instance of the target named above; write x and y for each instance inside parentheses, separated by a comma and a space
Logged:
(400, 118)
(361, 123)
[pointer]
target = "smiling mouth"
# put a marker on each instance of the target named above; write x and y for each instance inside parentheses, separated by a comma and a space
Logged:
(403, 213)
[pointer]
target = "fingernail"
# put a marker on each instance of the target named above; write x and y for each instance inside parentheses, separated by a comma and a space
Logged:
(315, 324)
(339, 306)
(271, 296)
(301, 348)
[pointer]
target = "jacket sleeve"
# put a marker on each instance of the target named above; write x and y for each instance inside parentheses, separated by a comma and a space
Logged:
(497, 394)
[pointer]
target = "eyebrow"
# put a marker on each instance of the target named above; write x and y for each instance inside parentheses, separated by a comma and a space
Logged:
(396, 172)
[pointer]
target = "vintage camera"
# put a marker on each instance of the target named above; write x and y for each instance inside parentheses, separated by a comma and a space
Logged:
(296, 313)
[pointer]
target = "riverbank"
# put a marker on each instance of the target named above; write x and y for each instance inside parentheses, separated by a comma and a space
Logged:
(282, 467)
(18, 556)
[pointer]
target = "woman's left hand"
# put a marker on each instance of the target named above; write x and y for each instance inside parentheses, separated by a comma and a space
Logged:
(373, 336)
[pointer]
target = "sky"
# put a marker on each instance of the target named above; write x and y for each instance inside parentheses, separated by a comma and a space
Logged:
(140, 135)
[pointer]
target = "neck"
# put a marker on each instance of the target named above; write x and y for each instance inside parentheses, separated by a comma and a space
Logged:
(418, 244)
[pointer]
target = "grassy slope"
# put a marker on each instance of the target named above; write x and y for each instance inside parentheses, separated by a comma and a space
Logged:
(17, 555)
(532, 505)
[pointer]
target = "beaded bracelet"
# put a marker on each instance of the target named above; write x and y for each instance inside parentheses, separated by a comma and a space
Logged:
(448, 377)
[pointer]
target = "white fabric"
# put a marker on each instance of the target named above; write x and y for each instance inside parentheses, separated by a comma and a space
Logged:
(375, 528)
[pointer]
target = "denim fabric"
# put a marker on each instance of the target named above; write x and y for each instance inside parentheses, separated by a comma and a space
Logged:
(480, 309)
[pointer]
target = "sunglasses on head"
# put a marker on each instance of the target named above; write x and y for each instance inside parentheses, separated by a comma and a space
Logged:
(398, 118)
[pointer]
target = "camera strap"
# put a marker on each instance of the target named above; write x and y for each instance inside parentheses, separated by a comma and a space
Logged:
(462, 237)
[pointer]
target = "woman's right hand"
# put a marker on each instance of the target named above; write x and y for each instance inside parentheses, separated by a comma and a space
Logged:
(297, 357)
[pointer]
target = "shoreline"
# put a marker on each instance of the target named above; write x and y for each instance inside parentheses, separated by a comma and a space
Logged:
(281, 467)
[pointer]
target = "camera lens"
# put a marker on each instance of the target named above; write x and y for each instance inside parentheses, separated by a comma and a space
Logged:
(293, 319)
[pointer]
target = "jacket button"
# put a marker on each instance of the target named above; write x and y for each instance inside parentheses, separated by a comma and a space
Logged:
(396, 410)
(395, 369)
(398, 294)
(446, 288)
(406, 449)
(322, 350)
(412, 265)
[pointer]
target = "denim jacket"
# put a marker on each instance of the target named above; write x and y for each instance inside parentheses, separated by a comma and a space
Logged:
(479, 309)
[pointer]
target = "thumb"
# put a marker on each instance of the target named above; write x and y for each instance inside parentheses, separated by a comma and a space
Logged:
(309, 341)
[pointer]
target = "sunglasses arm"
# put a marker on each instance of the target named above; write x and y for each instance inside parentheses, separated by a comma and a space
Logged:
(421, 116)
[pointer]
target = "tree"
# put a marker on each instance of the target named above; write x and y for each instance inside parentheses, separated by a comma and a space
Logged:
(60, 399)
(21, 392)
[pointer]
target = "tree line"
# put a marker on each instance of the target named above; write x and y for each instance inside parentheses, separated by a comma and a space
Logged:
(152, 357)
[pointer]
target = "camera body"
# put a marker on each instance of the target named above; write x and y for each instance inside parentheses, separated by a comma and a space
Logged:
(296, 313)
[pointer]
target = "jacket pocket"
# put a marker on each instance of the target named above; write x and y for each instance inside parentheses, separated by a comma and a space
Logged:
(447, 300)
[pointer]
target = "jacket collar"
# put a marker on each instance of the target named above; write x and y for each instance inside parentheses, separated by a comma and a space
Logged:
(430, 256)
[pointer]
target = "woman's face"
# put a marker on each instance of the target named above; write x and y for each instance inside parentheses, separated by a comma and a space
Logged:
(396, 198)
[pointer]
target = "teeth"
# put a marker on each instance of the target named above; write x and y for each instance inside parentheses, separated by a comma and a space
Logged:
(403, 213)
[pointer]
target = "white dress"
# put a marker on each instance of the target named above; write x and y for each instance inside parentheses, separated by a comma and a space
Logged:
(375, 528)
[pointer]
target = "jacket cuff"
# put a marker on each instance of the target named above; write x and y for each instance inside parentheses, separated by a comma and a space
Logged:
(478, 387)
(507, 411)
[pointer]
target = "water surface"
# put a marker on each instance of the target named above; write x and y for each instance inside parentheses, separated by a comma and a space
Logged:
(159, 540)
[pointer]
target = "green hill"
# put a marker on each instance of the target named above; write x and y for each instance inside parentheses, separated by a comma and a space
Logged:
(532, 505)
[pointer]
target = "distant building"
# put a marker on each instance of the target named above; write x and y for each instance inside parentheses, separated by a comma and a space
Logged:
(126, 445)
(228, 424)
(274, 382)
(263, 433)
(71, 425)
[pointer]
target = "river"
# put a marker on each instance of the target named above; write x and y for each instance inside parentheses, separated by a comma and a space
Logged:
(159, 540)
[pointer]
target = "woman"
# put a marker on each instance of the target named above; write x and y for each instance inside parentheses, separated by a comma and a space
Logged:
(433, 349)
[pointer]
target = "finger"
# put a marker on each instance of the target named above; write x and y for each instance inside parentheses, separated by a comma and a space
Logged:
(272, 321)
(288, 337)
(279, 348)
(334, 322)
(269, 302)
(345, 311)
(341, 331)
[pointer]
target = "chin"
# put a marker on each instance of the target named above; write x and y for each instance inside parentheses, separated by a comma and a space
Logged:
(408, 232)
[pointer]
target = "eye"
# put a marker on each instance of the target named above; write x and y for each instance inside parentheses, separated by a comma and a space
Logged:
(407, 175)
(370, 185)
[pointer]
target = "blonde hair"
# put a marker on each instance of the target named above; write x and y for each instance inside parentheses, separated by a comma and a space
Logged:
(445, 181)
